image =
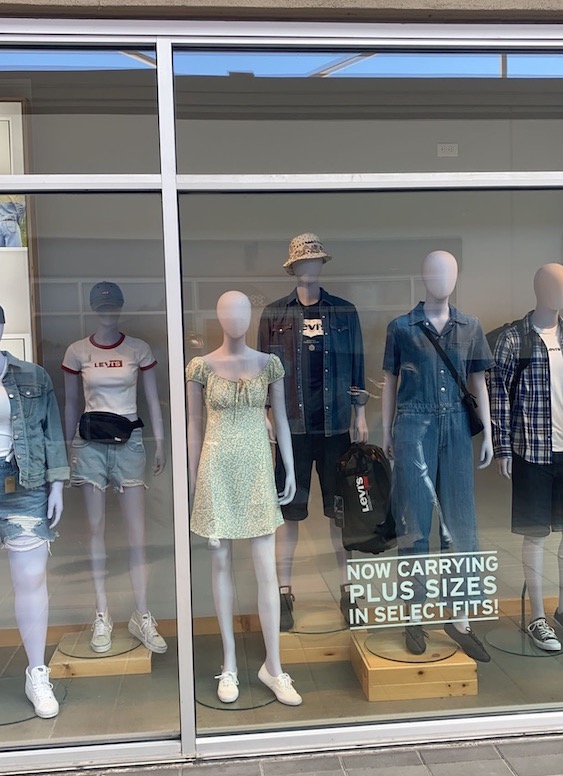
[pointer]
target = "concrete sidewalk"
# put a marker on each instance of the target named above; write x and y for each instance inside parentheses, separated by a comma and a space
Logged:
(537, 756)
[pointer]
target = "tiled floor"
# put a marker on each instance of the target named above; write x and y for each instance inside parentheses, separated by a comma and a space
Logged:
(522, 757)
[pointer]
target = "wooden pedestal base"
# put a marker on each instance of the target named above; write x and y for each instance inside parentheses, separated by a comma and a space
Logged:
(314, 647)
(385, 680)
(65, 663)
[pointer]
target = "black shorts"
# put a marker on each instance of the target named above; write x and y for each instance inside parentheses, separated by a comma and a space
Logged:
(537, 496)
(325, 452)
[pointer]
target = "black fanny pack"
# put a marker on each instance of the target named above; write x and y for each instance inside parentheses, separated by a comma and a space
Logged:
(107, 427)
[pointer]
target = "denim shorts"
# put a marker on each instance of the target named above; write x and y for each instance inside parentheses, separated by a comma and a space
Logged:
(121, 465)
(23, 513)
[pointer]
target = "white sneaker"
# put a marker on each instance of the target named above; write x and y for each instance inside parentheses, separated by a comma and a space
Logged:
(281, 686)
(101, 632)
(543, 635)
(227, 690)
(39, 691)
(143, 627)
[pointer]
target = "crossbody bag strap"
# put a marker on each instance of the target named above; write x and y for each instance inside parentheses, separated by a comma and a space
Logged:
(446, 359)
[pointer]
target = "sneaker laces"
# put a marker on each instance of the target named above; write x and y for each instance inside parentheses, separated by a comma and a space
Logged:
(543, 630)
(148, 625)
(100, 626)
(42, 687)
(284, 681)
(227, 678)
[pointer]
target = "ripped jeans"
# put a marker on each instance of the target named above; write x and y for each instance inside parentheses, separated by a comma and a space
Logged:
(23, 513)
(433, 474)
(101, 465)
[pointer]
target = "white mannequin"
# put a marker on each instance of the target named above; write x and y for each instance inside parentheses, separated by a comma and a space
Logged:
(439, 275)
(234, 360)
(308, 288)
(548, 288)
(132, 499)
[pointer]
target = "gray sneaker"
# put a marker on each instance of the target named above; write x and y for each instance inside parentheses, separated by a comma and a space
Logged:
(143, 627)
(101, 633)
(543, 635)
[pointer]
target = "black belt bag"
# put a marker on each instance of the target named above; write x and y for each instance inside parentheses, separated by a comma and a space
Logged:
(107, 427)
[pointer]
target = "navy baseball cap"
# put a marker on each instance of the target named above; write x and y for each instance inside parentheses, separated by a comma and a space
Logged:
(106, 294)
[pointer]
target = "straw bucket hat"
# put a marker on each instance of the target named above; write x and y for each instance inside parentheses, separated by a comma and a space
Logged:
(305, 246)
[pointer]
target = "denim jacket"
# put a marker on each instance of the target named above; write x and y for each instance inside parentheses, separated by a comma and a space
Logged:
(281, 332)
(39, 445)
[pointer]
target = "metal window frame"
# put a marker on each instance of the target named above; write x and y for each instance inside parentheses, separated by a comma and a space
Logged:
(164, 35)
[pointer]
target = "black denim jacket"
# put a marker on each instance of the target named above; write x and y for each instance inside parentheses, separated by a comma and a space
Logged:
(281, 332)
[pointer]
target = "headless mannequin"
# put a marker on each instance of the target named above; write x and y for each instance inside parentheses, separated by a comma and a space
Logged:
(548, 288)
(28, 570)
(308, 289)
(234, 360)
(132, 499)
(439, 275)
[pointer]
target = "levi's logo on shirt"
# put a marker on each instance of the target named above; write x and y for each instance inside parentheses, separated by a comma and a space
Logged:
(116, 362)
(312, 327)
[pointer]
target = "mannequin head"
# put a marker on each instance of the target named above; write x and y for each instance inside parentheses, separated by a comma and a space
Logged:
(302, 248)
(439, 274)
(106, 298)
(233, 312)
(548, 286)
(308, 270)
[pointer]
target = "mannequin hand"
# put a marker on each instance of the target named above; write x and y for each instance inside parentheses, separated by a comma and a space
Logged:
(504, 467)
(360, 431)
(486, 454)
(289, 491)
(55, 503)
(388, 446)
(159, 458)
(269, 428)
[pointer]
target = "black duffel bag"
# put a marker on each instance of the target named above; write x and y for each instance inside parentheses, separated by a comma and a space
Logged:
(362, 504)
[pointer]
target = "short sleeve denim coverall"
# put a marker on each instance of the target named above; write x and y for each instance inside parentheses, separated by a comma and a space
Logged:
(431, 437)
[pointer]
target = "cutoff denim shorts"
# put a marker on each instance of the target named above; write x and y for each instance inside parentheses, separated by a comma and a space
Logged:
(120, 465)
(23, 514)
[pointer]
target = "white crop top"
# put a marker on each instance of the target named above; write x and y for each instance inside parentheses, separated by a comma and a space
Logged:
(109, 372)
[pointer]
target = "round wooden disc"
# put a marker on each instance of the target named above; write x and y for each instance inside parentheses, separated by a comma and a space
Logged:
(390, 644)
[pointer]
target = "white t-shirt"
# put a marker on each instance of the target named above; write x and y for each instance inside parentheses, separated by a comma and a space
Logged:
(551, 340)
(109, 372)
(6, 433)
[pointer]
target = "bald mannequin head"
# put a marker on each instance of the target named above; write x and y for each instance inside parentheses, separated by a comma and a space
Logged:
(439, 274)
(548, 286)
(233, 312)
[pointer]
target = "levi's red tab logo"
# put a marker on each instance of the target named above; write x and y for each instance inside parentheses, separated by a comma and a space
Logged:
(115, 363)
(362, 489)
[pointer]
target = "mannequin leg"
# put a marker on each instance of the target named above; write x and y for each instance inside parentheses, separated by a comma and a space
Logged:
(132, 503)
(29, 579)
(286, 543)
(223, 597)
(264, 559)
(95, 501)
(532, 561)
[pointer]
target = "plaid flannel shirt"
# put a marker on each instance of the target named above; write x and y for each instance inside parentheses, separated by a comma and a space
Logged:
(524, 428)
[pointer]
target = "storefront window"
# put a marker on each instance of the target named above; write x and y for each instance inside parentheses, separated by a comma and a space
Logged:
(378, 243)
(88, 293)
(366, 111)
(77, 110)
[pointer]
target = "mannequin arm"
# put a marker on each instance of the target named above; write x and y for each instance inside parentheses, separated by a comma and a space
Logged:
(277, 400)
(55, 503)
(388, 407)
(195, 431)
(478, 387)
(360, 427)
(73, 404)
(155, 414)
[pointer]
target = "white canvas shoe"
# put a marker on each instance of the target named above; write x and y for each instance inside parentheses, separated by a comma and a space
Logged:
(39, 691)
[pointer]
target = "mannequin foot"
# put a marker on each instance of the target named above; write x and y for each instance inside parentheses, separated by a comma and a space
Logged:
(101, 632)
(543, 635)
(281, 686)
(558, 617)
(143, 627)
(286, 608)
(39, 691)
(415, 639)
(227, 690)
(469, 643)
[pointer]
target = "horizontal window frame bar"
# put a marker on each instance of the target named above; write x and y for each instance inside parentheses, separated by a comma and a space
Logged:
(84, 183)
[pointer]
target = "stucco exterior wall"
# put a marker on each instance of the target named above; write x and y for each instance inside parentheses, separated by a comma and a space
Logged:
(357, 10)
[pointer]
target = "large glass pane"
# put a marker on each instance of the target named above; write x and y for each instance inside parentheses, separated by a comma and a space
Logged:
(366, 111)
(365, 671)
(78, 110)
(89, 295)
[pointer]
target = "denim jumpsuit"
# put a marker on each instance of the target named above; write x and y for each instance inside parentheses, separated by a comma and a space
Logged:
(432, 444)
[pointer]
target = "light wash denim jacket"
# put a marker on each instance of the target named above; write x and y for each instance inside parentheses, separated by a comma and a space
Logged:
(39, 444)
